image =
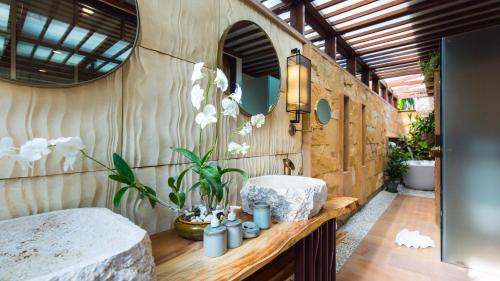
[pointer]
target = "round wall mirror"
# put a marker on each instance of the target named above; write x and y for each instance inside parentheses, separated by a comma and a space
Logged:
(249, 59)
(65, 42)
(323, 111)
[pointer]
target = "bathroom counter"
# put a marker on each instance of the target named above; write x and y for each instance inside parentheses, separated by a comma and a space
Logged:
(285, 247)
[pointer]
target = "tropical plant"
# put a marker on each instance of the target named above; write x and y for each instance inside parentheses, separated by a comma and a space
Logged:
(428, 66)
(420, 139)
(396, 166)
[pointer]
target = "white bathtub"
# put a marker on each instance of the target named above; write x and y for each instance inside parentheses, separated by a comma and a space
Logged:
(420, 175)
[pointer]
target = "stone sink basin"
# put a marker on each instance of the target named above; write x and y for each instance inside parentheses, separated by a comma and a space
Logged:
(74, 244)
(291, 198)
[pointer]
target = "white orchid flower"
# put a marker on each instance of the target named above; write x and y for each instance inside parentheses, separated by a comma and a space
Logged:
(246, 129)
(221, 80)
(230, 107)
(35, 149)
(236, 96)
(7, 147)
(207, 116)
(197, 74)
(69, 148)
(258, 120)
(197, 96)
(235, 148)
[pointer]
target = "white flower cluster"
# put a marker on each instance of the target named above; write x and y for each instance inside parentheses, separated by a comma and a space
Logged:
(33, 150)
(230, 106)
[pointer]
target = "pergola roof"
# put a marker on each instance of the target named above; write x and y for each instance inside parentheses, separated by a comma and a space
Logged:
(387, 37)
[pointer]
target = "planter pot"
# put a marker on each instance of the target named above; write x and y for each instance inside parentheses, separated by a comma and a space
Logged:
(190, 230)
(392, 186)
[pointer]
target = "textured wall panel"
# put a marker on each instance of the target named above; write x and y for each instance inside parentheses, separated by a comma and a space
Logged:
(186, 29)
(157, 110)
(91, 111)
(28, 196)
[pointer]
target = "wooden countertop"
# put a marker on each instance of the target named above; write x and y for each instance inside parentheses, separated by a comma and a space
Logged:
(181, 259)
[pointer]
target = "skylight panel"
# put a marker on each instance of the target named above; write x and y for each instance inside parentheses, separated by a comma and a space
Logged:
(339, 6)
(284, 15)
(271, 3)
(124, 55)
(96, 64)
(42, 53)
(115, 49)
(4, 16)
(75, 59)
(24, 49)
(312, 34)
(59, 56)
(55, 31)
(33, 24)
(373, 15)
(93, 42)
(75, 37)
(2, 45)
(359, 10)
(107, 67)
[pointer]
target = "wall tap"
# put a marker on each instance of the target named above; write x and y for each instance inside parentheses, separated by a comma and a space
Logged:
(288, 166)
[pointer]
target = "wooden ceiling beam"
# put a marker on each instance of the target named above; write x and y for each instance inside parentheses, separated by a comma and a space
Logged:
(348, 8)
(399, 73)
(433, 37)
(427, 23)
(412, 58)
(429, 30)
(437, 13)
(328, 4)
(430, 44)
(405, 83)
(421, 6)
(370, 11)
(400, 54)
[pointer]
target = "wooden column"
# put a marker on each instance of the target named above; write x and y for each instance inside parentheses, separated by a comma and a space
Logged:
(389, 96)
(375, 84)
(365, 77)
(298, 16)
(351, 65)
(383, 91)
(331, 46)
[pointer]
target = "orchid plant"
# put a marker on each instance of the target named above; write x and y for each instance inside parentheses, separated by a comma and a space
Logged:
(212, 185)
(71, 148)
(211, 182)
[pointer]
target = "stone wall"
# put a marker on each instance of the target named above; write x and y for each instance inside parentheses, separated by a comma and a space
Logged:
(325, 143)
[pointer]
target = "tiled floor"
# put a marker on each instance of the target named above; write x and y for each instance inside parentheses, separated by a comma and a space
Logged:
(377, 258)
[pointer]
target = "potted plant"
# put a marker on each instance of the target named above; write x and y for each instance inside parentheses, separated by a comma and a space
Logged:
(212, 182)
(428, 67)
(396, 167)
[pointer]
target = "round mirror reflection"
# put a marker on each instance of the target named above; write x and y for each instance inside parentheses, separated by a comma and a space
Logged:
(56, 42)
(323, 111)
(250, 60)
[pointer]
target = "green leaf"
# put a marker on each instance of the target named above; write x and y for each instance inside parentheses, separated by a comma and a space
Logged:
(194, 186)
(188, 154)
(207, 156)
(244, 174)
(171, 183)
(182, 198)
(123, 168)
(120, 178)
(173, 198)
(119, 195)
(150, 191)
(179, 179)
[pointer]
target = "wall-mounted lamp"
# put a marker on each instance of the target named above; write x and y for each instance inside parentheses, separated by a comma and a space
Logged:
(298, 82)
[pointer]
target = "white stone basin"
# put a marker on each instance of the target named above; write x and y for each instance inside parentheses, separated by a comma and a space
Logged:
(291, 198)
(74, 244)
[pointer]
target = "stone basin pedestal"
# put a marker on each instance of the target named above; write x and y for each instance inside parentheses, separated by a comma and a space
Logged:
(75, 244)
(291, 198)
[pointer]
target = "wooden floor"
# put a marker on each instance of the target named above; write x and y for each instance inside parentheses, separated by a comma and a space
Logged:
(377, 258)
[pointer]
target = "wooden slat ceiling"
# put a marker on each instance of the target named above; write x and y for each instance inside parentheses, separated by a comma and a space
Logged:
(391, 36)
(248, 42)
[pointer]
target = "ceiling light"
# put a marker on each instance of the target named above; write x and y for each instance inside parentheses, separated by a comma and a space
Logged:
(87, 11)
(56, 52)
(42, 70)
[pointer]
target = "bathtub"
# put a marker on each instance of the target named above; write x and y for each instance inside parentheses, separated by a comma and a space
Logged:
(420, 175)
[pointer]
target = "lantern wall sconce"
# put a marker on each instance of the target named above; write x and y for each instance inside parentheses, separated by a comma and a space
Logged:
(298, 85)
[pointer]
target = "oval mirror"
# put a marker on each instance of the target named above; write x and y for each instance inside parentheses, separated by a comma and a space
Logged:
(323, 111)
(65, 42)
(249, 59)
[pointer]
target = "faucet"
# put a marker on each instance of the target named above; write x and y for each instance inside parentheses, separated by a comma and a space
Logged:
(288, 166)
